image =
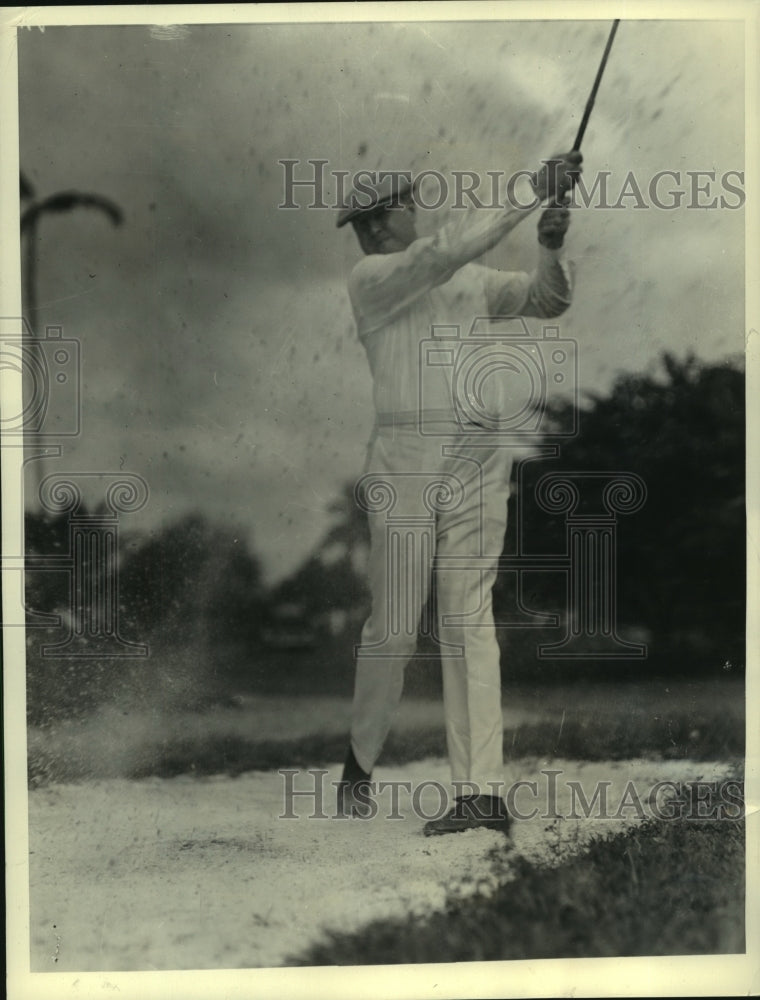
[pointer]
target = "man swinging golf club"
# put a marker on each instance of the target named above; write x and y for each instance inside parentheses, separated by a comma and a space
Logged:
(449, 484)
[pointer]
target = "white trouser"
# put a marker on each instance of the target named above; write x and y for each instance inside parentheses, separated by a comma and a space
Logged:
(436, 505)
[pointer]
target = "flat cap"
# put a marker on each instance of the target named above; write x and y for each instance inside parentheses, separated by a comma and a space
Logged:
(372, 190)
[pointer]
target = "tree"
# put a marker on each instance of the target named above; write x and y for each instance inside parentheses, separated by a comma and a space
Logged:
(35, 211)
(332, 577)
(64, 201)
(681, 557)
(193, 583)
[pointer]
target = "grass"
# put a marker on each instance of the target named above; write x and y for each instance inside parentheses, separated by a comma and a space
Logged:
(667, 888)
(607, 722)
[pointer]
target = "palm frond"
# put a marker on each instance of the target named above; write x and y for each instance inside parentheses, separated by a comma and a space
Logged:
(66, 201)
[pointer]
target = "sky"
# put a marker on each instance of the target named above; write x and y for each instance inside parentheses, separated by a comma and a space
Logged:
(219, 357)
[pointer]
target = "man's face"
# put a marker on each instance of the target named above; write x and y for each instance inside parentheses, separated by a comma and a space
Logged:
(392, 228)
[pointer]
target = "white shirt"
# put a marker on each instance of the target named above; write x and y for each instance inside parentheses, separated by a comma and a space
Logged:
(397, 298)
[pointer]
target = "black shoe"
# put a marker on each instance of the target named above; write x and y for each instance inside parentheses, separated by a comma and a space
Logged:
(354, 800)
(354, 790)
(472, 812)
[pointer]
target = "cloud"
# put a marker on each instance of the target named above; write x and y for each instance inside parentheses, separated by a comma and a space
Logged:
(218, 351)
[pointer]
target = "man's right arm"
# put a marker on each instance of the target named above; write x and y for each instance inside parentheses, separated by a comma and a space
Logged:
(384, 285)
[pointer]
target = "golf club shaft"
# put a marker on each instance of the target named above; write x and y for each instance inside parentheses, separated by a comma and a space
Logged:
(595, 88)
(559, 203)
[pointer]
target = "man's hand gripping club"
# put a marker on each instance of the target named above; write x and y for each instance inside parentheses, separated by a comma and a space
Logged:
(554, 181)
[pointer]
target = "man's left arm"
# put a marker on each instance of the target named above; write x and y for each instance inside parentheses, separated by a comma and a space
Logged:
(545, 293)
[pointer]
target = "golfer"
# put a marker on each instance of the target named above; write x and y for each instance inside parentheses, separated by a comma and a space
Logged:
(436, 488)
